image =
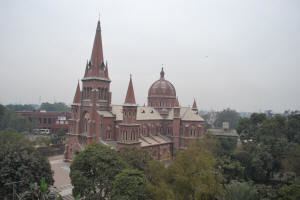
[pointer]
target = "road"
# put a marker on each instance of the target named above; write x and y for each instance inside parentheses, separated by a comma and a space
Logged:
(62, 182)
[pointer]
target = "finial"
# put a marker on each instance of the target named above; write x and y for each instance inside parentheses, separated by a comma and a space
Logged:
(162, 73)
(130, 76)
(98, 23)
(194, 107)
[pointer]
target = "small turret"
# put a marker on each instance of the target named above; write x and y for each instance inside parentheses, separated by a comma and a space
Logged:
(130, 98)
(194, 107)
(77, 96)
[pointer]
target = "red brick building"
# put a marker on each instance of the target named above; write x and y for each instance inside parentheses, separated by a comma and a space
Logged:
(161, 127)
(54, 121)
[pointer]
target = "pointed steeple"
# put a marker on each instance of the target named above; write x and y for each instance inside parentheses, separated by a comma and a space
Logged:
(97, 53)
(77, 95)
(96, 64)
(194, 105)
(130, 98)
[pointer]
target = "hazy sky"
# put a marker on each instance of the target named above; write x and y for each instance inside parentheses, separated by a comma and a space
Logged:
(239, 54)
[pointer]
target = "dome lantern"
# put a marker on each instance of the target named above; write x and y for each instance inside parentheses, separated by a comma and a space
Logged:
(162, 93)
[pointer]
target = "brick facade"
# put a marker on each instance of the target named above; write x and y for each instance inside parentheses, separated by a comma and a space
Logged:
(161, 128)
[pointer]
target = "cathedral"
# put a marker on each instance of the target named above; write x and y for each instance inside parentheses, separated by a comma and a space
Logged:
(161, 127)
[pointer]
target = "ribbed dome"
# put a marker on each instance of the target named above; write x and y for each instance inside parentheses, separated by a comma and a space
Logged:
(162, 88)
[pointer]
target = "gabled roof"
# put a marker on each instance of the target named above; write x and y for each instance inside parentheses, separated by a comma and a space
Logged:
(150, 113)
(143, 113)
(186, 114)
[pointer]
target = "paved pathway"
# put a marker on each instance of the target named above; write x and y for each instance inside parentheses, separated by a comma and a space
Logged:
(62, 182)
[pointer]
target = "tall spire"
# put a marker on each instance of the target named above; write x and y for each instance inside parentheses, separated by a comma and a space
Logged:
(96, 64)
(97, 53)
(130, 98)
(194, 105)
(77, 94)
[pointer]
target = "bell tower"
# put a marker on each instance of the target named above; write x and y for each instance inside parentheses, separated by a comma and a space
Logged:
(96, 78)
(129, 128)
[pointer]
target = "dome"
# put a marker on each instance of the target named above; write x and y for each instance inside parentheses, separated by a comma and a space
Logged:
(162, 88)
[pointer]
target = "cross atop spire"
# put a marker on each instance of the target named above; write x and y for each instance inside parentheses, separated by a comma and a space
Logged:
(130, 98)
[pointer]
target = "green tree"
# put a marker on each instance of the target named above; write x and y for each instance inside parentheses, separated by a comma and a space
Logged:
(2, 110)
(290, 192)
(293, 128)
(247, 127)
(21, 163)
(60, 107)
(193, 176)
(292, 160)
(261, 166)
(130, 184)
(227, 145)
(266, 191)
(257, 118)
(227, 115)
(93, 171)
(158, 187)
(9, 120)
(240, 191)
(136, 158)
(20, 107)
(231, 169)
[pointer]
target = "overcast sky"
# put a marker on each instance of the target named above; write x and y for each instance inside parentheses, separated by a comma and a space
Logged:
(239, 54)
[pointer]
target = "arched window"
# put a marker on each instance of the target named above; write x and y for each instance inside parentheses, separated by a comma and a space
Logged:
(192, 131)
(108, 133)
(86, 119)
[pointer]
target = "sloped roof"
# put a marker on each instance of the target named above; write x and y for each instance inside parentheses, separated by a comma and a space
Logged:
(150, 113)
(186, 114)
(143, 113)
(222, 132)
(105, 113)
(153, 140)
